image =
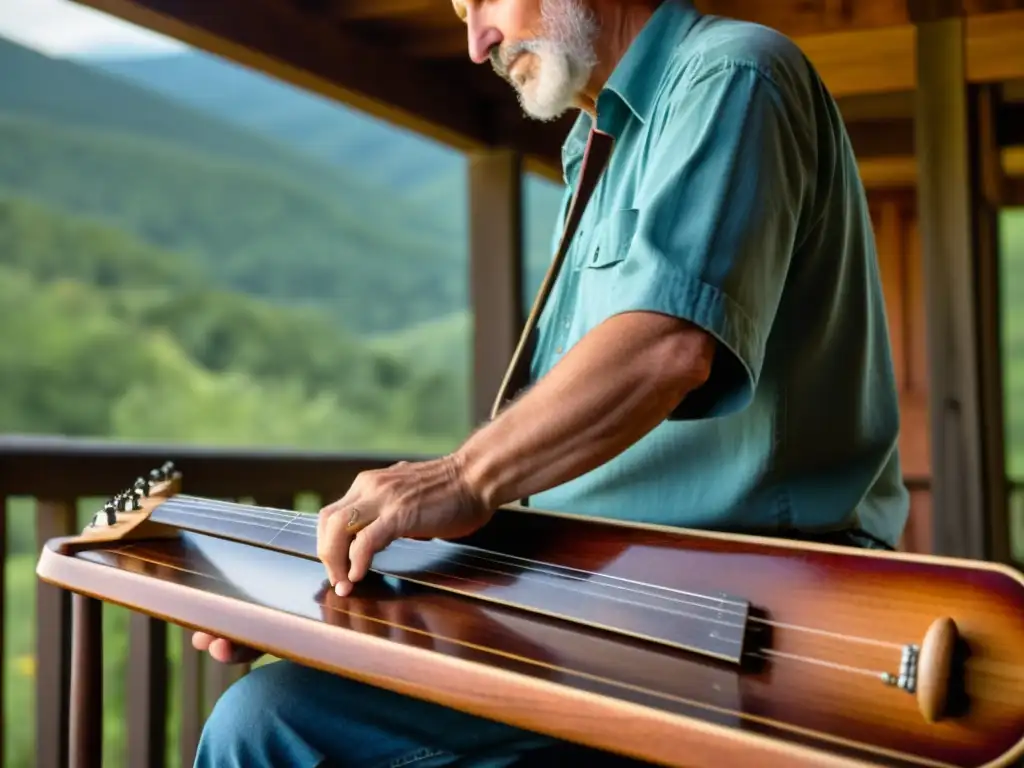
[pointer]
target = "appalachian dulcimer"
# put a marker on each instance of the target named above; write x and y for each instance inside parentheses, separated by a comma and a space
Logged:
(680, 648)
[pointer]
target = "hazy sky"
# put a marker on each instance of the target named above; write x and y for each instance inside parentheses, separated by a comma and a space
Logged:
(61, 27)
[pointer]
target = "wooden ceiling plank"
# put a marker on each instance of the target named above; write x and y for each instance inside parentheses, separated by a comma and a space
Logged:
(880, 61)
(863, 62)
(797, 18)
(995, 47)
(443, 44)
(381, 9)
(275, 38)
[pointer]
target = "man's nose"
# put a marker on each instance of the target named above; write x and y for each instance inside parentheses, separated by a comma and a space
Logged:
(482, 37)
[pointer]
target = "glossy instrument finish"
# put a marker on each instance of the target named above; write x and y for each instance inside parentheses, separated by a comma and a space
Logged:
(824, 625)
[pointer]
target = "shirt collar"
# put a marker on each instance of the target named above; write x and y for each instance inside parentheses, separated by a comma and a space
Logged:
(636, 78)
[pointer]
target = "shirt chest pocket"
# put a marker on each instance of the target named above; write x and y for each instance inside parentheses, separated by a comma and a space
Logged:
(601, 270)
(611, 240)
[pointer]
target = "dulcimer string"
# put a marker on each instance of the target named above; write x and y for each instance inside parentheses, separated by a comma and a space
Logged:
(300, 527)
(303, 524)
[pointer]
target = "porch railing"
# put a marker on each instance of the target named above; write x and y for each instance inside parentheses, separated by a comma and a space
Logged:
(157, 689)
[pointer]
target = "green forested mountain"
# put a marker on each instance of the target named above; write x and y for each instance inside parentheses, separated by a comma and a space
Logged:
(123, 342)
(251, 230)
(312, 124)
(412, 166)
(68, 94)
(153, 253)
(249, 175)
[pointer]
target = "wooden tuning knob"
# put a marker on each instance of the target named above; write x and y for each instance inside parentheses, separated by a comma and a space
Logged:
(935, 667)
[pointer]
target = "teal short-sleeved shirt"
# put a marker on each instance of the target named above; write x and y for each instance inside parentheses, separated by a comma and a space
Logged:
(732, 199)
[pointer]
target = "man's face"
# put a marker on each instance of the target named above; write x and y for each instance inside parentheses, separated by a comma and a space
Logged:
(543, 48)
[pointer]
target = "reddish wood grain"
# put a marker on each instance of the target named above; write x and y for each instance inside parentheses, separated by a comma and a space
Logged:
(831, 620)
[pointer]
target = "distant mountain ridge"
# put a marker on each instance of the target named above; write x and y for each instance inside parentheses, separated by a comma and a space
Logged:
(318, 126)
(344, 211)
(68, 93)
(419, 169)
(257, 215)
(248, 229)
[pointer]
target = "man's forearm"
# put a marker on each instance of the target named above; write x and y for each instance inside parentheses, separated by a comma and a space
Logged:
(622, 380)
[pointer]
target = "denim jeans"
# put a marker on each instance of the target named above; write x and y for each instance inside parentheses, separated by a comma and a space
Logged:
(283, 715)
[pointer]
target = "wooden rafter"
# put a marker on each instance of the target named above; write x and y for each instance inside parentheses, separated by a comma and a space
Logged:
(798, 18)
(883, 60)
(381, 9)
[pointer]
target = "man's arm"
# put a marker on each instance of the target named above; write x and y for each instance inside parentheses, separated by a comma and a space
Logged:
(716, 223)
(619, 382)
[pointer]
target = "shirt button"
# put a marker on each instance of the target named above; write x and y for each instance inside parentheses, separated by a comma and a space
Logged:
(559, 350)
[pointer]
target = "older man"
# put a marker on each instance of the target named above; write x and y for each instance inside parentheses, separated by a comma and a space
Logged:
(714, 353)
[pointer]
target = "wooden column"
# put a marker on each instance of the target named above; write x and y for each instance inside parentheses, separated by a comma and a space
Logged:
(495, 265)
(147, 691)
(54, 517)
(85, 695)
(959, 257)
(988, 195)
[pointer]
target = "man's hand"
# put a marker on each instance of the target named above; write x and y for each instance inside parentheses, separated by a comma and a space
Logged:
(617, 384)
(223, 650)
(408, 500)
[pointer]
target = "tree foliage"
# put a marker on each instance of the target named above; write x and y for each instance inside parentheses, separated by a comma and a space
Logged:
(125, 341)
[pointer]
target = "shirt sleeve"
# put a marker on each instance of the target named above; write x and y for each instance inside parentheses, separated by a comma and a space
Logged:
(716, 222)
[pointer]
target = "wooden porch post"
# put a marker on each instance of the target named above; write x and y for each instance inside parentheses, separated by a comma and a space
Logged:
(495, 260)
(955, 147)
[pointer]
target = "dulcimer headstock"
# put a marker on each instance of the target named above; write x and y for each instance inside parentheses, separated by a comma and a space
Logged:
(126, 514)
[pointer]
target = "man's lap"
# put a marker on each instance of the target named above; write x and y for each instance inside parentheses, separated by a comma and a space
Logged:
(285, 714)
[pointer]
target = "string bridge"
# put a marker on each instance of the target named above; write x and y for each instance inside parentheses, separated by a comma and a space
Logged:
(906, 678)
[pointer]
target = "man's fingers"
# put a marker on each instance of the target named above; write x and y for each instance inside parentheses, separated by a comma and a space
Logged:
(333, 544)
(369, 542)
(223, 650)
(322, 522)
(331, 519)
(344, 501)
(332, 549)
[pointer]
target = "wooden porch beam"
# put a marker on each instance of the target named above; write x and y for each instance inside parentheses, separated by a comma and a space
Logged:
(900, 172)
(302, 49)
(958, 260)
(814, 17)
(495, 257)
(882, 60)
(987, 196)
(895, 137)
(380, 9)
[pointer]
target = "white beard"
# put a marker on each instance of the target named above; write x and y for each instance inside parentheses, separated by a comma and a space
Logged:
(563, 60)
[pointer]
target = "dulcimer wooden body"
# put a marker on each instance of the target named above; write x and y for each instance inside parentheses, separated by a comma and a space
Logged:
(680, 648)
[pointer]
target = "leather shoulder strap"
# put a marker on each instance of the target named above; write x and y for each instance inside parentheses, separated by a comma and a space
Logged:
(595, 158)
